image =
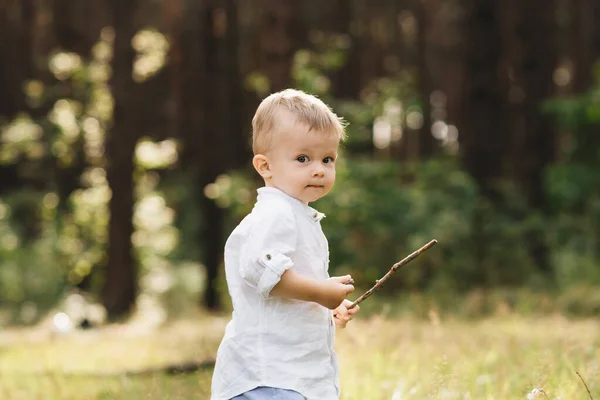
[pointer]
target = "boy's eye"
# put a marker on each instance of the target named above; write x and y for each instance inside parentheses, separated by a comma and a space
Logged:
(302, 159)
(328, 160)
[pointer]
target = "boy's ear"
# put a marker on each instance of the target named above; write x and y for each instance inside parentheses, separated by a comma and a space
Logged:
(262, 166)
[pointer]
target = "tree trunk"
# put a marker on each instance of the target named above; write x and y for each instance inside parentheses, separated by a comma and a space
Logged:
(483, 120)
(69, 38)
(17, 21)
(221, 131)
(596, 47)
(533, 65)
(583, 53)
(210, 90)
(483, 125)
(121, 284)
(533, 134)
(279, 35)
(427, 143)
(346, 80)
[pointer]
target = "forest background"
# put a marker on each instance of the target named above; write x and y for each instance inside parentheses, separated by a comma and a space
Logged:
(125, 156)
(125, 163)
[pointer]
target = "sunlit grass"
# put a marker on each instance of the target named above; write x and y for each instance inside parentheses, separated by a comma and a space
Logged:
(498, 358)
(407, 358)
(58, 387)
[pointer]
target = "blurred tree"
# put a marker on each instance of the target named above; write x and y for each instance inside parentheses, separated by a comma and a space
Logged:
(72, 32)
(583, 50)
(484, 128)
(484, 123)
(221, 130)
(347, 79)
(76, 25)
(121, 277)
(533, 59)
(510, 56)
(585, 42)
(427, 144)
(280, 32)
(445, 35)
(509, 65)
(210, 90)
(17, 21)
(17, 51)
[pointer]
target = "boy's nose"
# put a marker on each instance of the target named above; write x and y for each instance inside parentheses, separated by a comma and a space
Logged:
(319, 171)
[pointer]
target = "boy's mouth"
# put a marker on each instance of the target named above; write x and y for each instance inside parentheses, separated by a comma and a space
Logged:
(315, 186)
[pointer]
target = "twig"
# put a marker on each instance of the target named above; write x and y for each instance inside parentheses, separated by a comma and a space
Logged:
(379, 283)
(584, 384)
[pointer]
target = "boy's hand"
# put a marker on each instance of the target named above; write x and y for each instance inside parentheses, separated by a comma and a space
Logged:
(342, 315)
(334, 291)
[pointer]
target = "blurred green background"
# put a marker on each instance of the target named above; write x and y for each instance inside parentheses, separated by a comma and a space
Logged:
(125, 156)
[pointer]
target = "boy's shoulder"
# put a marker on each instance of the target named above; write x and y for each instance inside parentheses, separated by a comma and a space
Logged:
(273, 207)
(266, 212)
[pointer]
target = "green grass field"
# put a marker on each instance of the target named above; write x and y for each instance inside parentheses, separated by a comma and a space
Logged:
(381, 358)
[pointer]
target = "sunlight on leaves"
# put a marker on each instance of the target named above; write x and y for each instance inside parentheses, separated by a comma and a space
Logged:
(64, 115)
(150, 155)
(258, 82)
(34, 91)
(20, 137)
(23, 129)
(414, 119)
(152, 48)
(64, 64)
(102, 103)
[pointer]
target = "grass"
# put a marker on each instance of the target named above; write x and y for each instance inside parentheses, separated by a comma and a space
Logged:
(502, 357)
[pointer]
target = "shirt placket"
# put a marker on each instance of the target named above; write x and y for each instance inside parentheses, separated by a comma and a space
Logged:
(324, 251)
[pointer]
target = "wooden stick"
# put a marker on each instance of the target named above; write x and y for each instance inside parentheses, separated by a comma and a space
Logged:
(379, 283)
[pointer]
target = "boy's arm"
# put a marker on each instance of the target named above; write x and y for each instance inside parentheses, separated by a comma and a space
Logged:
(329, 293)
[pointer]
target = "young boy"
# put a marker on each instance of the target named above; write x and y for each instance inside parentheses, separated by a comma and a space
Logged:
(279, 343)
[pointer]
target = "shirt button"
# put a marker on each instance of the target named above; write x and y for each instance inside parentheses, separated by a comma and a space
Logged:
(268, 256)
(315, 215)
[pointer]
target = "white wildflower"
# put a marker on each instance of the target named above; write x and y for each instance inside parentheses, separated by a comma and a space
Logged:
(536, 393)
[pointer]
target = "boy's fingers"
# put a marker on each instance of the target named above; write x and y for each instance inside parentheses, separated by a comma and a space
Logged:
(342, 321)
(354, 310)
(343, 279)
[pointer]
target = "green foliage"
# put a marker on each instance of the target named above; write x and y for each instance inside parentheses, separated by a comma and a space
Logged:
(380, 210)
(30, 273)
(56, 236)
(573, 187)
(61, 229)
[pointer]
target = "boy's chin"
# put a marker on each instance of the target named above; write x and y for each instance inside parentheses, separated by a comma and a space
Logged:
(310, 199)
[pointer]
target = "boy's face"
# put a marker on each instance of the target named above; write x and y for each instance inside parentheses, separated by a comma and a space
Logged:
(302, 163)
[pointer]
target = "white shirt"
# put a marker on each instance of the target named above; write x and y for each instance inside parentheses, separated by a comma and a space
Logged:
(273, 341)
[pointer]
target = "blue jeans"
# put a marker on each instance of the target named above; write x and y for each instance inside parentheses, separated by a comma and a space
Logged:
(269, 393)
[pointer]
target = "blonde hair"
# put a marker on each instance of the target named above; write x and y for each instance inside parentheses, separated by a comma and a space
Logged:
(307, 109)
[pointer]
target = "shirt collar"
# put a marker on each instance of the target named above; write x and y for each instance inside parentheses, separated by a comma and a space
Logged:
(302, 208)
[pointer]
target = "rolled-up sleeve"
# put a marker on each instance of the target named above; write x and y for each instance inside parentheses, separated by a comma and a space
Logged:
(269, 249)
